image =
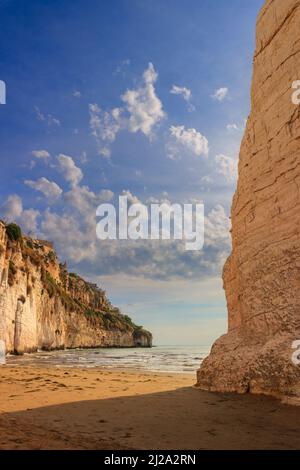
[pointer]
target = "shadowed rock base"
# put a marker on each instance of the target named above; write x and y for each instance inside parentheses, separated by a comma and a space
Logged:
(262, 275)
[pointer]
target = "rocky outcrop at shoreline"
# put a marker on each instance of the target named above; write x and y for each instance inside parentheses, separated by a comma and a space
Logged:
(262, 275)
(43, 306)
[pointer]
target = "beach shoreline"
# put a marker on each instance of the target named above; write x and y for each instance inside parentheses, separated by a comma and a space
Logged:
(93, 408)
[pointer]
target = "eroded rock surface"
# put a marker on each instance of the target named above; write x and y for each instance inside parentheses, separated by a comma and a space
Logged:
(262, 275)
(43, 306)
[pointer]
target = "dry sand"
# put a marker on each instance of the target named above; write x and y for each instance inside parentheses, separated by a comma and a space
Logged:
(63, 408)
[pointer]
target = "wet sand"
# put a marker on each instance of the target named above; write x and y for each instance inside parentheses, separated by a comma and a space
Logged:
(70, 408)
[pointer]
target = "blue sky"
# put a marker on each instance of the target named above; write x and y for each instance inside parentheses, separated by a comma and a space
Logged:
(145, 98)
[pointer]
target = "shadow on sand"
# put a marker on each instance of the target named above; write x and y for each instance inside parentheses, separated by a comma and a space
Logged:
(186, 418)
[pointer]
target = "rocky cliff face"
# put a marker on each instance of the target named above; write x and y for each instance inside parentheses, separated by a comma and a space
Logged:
(262, 275)
(42, 306)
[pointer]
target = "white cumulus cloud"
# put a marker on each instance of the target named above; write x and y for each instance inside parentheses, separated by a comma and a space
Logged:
(74, 233)
(141, 111)
(186, 140)
(12, 211)
(49, 188)
(105, 126)
(144, 107)
(220, 94)
(41, 154)
(49, 119)
(185, 93)
(232, 127)
(70, 171)
(12, 208)
(227, 167)
(28, 221)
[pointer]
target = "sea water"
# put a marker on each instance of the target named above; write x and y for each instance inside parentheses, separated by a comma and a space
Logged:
(180, 359)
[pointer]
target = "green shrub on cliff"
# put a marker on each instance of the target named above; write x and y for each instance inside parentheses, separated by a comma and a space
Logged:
(73, 275)
(90, 313)
(128, 321)
(139, 332)
(53, 288)
(13, 232)
(49, 283)
(29, 244)
(51, 257)
(29, 252)
(12, 271)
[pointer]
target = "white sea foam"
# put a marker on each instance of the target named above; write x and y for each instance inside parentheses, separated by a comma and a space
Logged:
(160, 358)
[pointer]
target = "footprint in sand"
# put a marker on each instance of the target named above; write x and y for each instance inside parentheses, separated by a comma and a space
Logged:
(212, 432)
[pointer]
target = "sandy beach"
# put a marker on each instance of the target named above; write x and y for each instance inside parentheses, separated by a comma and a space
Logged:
(70, 408)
